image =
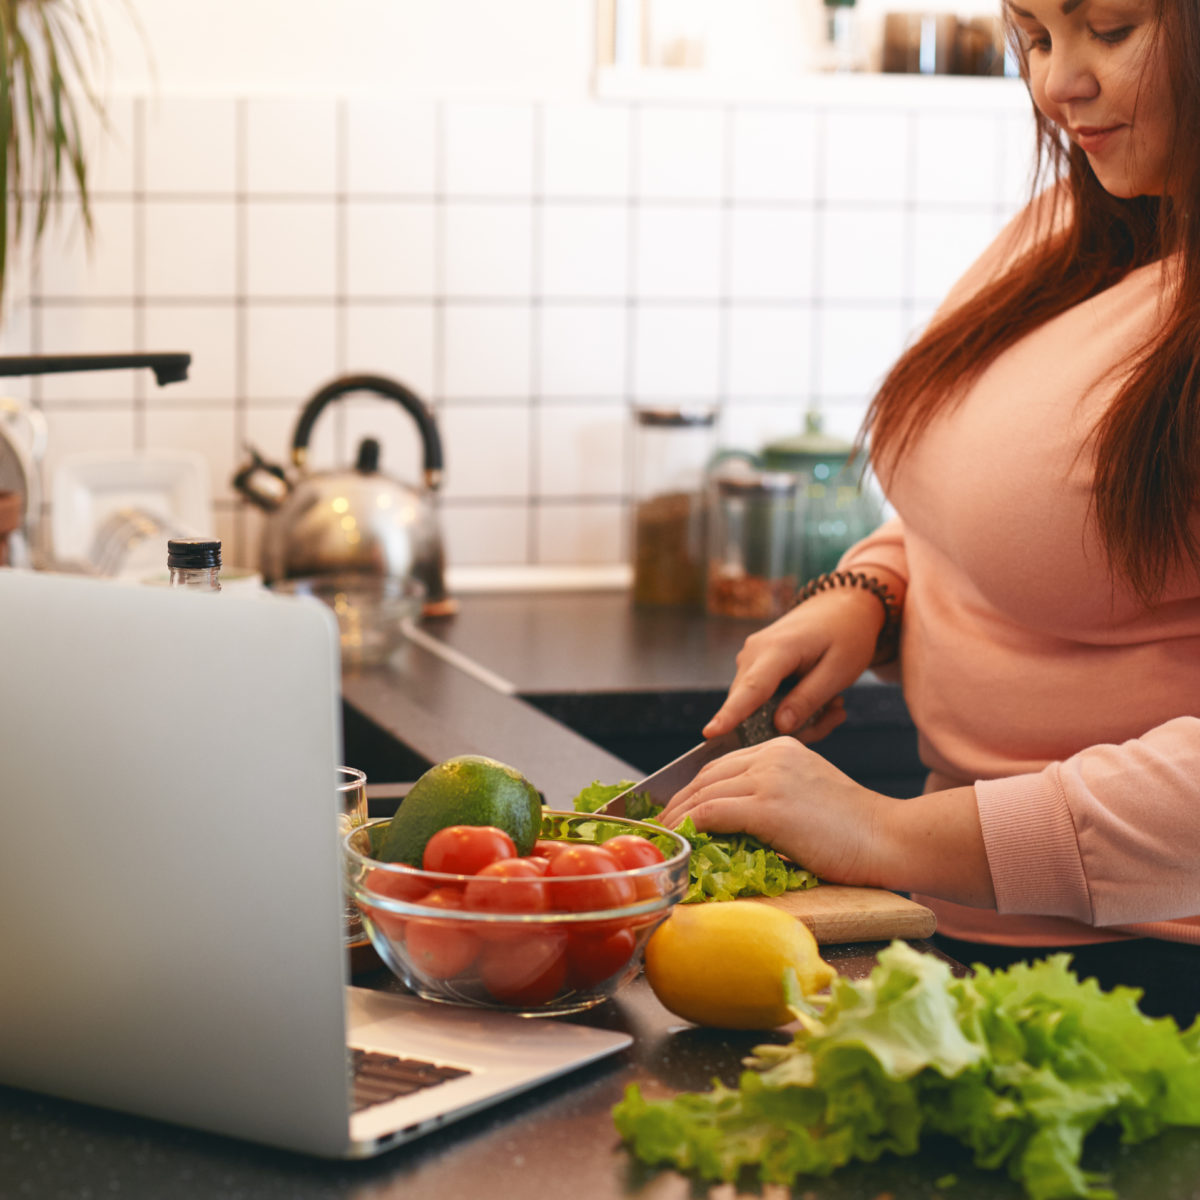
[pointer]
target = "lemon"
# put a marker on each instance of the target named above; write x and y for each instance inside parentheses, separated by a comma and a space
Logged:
(722, 963)
(470, 789)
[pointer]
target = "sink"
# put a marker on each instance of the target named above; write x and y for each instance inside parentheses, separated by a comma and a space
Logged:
(382, 757)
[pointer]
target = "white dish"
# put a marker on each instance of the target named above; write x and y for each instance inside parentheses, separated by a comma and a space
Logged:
(170, 486)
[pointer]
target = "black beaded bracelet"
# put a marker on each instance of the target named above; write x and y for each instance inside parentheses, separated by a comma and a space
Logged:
(887, 644)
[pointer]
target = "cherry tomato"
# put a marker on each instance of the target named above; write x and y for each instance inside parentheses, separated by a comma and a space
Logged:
(542, 864)
(527, 973)
(593, 957)
(441, 949)
(634, 852)
(548, 848)
(404, 885)
(600, 885)
(511, 885)
(466, 849)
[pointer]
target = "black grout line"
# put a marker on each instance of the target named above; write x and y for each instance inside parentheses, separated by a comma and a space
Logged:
(536, 276)
(614, 303)
(816, 324)
(632, 232)
(439, 257)
(726, 301)
(241, 374)
(365, 199)
(138, 216)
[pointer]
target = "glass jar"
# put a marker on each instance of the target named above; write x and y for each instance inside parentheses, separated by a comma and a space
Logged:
(672, 449)
(753, 551)
(841, 507)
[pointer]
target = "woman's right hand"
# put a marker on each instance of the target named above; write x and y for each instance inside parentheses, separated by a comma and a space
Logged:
(829, 641)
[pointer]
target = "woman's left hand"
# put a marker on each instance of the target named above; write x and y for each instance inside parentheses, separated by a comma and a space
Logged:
(796, 801)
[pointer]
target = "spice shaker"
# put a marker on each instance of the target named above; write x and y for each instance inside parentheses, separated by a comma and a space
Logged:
(754, 526)
(672, 449)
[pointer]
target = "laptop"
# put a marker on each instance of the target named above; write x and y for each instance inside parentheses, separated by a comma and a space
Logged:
(170, 882)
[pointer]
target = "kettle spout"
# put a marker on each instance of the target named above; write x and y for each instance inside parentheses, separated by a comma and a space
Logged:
(264, 484)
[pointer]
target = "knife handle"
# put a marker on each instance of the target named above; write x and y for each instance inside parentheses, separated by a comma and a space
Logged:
(759, 726)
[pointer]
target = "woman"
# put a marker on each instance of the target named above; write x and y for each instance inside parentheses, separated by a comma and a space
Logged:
(1041, 445)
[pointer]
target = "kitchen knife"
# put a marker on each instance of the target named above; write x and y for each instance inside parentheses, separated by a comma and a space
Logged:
(759, 726)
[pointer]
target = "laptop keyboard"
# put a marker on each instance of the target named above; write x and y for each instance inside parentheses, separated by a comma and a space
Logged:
(378, 1078)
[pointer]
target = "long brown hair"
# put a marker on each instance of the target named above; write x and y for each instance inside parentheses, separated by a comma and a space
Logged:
(1147, 445)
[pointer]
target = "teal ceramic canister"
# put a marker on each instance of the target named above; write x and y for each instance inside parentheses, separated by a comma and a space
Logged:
(841, 506)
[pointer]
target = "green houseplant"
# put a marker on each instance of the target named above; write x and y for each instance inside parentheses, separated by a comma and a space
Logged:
(49, 51)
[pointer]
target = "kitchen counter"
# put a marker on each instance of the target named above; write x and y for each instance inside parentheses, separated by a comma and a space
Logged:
(573, 687)
(557, 1140)
(569, 688)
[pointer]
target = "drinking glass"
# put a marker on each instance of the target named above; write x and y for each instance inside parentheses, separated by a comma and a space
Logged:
(352, 801)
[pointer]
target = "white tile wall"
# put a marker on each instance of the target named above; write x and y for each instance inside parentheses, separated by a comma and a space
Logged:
(532, 269)
(584, 250)
(391, 248)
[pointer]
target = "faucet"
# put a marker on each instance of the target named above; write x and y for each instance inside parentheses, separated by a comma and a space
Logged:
(167, 368)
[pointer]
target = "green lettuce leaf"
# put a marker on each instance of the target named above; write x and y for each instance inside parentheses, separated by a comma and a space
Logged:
(1019, 1065)
(722, 866)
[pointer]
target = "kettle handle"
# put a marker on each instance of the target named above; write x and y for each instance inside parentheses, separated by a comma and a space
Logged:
(430, 439)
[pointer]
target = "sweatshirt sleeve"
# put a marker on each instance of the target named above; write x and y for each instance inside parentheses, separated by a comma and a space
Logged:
(1109, 837)
(883, 548)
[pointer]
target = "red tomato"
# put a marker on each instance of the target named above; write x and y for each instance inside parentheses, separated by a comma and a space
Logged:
(599, 885)
(527, 973)
(441, 949)
(593, 957)
(542, 864)
(400, 883)
(466, 849)
(512, 885)
(633, 852)
(547, 848)
(403, 885)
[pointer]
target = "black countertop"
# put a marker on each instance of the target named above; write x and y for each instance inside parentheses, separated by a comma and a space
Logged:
(501, 678)
(555, 1141)
(572, 687)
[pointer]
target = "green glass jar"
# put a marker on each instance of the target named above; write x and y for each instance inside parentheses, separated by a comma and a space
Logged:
(841, 508)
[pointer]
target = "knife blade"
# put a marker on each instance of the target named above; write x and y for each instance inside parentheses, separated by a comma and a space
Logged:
(662, 784)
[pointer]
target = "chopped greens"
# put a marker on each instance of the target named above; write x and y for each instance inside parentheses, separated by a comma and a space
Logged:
(723, 866)
(1019, 1065)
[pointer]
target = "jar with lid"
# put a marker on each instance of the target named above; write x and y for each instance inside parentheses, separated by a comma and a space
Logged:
(672, 449)
(753, 556)
(841, 506)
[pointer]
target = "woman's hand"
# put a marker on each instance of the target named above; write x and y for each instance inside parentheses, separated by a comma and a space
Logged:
(829, 640)
(793, 799)
(790, 797)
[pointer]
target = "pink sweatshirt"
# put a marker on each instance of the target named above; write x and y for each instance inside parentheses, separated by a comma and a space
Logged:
(1072, 708)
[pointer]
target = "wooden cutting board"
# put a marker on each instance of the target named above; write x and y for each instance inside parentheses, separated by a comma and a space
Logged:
(836, 913)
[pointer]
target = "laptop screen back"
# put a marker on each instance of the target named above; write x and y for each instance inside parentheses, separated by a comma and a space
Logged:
(169, 879)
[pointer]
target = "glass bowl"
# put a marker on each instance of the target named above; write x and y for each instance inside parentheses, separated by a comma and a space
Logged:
(563, 959)
(370, 610)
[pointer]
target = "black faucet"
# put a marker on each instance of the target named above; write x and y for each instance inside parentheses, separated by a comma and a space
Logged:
(167, 368)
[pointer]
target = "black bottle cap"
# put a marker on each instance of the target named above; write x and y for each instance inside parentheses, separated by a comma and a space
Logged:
(195, 553)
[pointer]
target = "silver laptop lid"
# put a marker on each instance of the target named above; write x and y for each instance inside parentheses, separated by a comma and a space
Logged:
(171, 933)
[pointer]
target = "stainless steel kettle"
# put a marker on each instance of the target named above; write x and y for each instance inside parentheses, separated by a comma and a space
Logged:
(355, 521)
(22, 447)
